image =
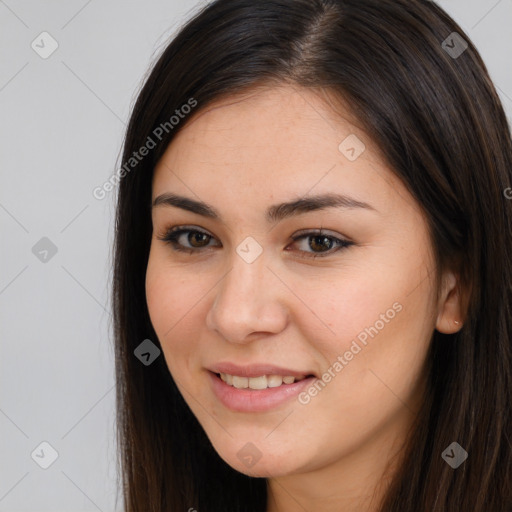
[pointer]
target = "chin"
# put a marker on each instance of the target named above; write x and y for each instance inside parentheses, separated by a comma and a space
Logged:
(248, 461)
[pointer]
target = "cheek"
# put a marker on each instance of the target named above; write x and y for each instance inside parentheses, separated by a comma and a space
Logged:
(161, 297)
(171, 291)
(378, 320)
(171, 299)
(383, 348)
(344, 307)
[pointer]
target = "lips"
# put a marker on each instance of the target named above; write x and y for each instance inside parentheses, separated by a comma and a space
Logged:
(240, 388)
(254, 401)
(258, 370)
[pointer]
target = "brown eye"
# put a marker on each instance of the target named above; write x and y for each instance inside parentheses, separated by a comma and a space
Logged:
(186, 240)
(318, 245)
(314, 244)
(198, 239)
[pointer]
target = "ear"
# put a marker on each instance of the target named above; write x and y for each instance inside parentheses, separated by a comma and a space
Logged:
(449, 310)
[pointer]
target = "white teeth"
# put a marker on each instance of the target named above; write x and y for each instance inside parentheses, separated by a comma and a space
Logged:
(273, 381)
(258, 382)
(240, 382)
(228, 379)
(262, 382)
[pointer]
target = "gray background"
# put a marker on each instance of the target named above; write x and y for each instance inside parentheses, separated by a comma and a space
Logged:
(61, 127)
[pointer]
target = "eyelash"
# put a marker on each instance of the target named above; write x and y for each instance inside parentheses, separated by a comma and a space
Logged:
(172, 235)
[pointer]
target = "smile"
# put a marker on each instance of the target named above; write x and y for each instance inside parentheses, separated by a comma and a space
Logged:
(256, 394)
(262, 382)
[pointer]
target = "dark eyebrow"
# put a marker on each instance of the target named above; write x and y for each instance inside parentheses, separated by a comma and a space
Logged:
(274, 213)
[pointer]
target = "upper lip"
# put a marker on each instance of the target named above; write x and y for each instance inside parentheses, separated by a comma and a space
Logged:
(256, 370)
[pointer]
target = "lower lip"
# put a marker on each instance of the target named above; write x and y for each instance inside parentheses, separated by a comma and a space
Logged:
(256, 400)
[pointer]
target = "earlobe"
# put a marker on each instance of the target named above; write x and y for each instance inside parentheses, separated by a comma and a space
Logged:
(449, 316)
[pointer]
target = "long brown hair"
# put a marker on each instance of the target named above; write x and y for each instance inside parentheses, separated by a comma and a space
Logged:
(428, 103)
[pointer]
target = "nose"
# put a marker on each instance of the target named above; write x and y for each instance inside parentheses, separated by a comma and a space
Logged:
(249, 301)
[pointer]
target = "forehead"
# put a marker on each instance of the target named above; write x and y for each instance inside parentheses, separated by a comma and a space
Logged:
(276, 141)
(273, 117)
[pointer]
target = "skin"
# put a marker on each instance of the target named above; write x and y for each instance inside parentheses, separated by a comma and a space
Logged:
(242, 155)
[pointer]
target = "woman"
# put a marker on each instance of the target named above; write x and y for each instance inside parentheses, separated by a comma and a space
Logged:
(312, 271)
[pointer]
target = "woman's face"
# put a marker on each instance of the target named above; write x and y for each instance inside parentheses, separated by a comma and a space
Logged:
(349, 312)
